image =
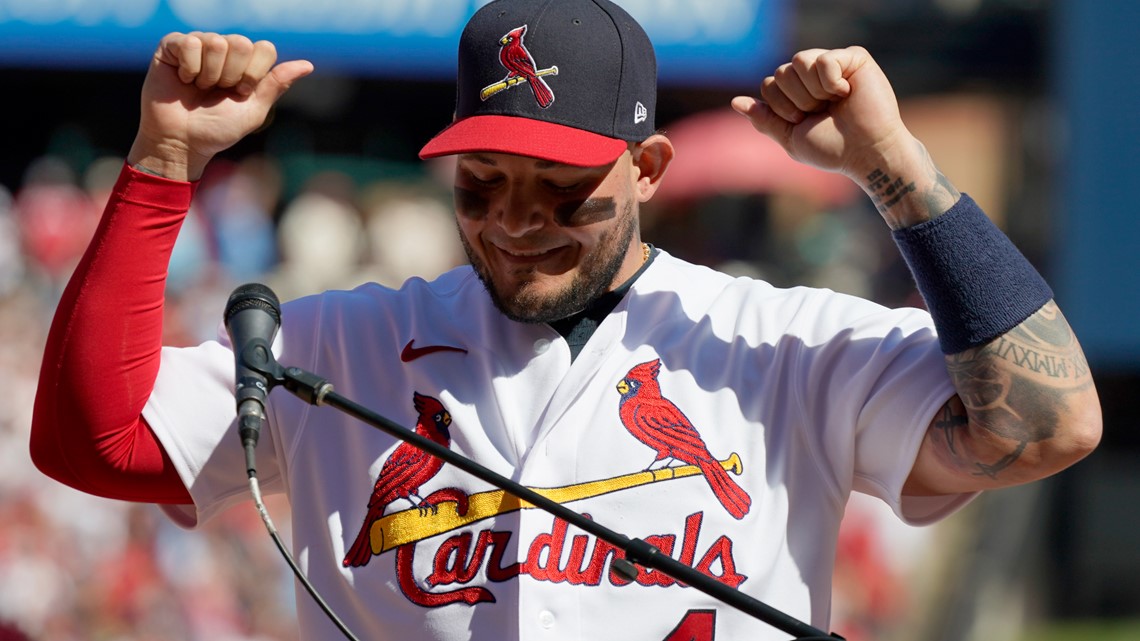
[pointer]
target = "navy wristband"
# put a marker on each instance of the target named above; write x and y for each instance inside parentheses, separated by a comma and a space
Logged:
(976, 284)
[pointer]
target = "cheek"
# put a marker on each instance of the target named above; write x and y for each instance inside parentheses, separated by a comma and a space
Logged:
(471, 205)
(587, 212)
(468, 232)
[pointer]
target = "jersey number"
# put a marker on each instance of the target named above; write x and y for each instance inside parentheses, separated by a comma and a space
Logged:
(697, 625)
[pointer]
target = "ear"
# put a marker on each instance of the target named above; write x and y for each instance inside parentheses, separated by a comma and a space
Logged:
(651, 157)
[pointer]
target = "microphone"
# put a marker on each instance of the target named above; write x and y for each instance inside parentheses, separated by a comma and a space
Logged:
(252, 317)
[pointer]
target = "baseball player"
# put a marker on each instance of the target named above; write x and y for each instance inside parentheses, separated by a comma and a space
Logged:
(723, 420)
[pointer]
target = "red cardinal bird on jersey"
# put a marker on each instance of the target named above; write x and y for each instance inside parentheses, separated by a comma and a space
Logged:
(657, 422)
(518, 61)
(403, 473)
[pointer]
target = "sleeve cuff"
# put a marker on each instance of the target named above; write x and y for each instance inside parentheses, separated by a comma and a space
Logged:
(141, 188)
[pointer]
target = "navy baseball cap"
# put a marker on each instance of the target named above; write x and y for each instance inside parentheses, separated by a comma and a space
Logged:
(570, 81)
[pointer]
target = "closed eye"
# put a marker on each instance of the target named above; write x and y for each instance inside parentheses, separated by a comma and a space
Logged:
(565, 189)
(473, 180)
(480, 182)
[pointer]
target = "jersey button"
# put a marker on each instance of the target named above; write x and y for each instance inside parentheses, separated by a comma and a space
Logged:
(541, 345)
(546, 619)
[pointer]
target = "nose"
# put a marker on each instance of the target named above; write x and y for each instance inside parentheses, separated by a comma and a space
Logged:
(519, 212)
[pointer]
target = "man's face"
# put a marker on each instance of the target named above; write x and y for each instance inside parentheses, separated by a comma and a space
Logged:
(546, 238)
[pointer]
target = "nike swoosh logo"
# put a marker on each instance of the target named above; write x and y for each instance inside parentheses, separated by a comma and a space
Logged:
(411, 353)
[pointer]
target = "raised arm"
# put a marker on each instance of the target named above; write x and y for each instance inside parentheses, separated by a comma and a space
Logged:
(1026, 406)
(202, 93)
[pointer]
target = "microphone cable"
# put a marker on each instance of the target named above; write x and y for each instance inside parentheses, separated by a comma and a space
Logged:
(255, 490)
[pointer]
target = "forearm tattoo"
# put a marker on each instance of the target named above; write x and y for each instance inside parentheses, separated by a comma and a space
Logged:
(1013, 391)
(888, 192)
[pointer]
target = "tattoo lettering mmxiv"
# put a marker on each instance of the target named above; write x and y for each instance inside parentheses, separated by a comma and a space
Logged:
(1044, 345)
(1013, 390)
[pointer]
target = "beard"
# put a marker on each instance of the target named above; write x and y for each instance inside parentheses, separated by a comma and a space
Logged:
(596, 273)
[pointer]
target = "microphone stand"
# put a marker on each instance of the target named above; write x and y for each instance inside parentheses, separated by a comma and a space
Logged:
(317, 391)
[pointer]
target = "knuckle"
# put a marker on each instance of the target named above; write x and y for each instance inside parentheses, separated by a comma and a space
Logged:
(266, 47)
(804, 59)
(768, 87)
(239, 43)
(213, 42)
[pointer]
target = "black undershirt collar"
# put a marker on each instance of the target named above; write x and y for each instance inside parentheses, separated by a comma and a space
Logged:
(578, 328)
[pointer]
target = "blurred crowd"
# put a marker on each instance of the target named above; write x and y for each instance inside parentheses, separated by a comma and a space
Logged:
(75, 567)
(78, 568)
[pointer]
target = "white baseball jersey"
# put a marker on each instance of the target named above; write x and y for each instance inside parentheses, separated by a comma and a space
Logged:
(723, 420)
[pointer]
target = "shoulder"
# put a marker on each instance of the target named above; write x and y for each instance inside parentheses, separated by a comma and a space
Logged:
(370, 307)
(745, 304)
(449, 289)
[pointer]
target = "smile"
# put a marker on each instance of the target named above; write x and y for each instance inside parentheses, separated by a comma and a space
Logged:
(527, 256)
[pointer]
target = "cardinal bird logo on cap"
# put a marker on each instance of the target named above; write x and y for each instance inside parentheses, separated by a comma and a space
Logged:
(520, 67)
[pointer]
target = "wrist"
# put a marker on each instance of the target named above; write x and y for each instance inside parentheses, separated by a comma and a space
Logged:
(904, 184)
(166, 160)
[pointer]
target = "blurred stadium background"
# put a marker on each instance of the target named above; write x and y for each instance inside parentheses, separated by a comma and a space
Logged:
(1029, 105)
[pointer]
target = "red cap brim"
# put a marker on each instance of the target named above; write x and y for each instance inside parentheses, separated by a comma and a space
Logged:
(525, 137)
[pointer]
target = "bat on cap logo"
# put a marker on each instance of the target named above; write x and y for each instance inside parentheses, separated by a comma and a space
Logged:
(520, 66)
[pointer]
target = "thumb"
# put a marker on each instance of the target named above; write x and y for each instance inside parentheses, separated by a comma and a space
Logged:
(763, 119)
(282, 77)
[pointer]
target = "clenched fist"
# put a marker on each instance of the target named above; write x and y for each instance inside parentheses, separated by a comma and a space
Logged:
(202, 94)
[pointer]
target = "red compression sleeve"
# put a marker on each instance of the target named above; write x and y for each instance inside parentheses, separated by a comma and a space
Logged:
(103, 351)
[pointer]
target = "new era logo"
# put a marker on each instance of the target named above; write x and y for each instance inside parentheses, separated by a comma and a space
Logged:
(640, 113)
